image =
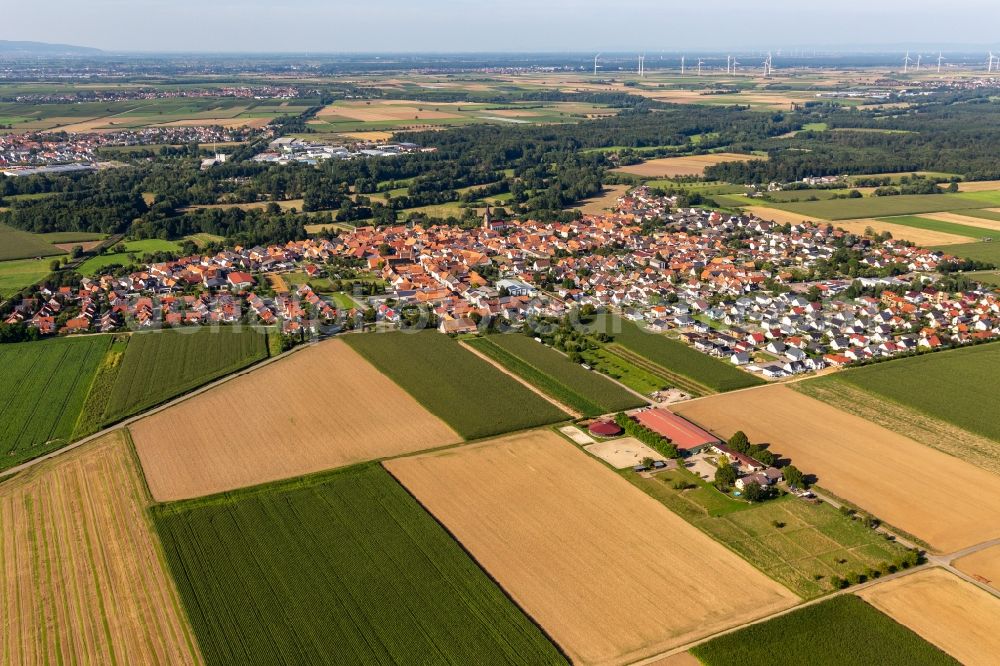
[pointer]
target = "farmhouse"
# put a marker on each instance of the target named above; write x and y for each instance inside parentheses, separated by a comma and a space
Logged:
(686, 436)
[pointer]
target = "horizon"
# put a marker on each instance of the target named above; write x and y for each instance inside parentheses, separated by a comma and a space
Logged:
(459, 26)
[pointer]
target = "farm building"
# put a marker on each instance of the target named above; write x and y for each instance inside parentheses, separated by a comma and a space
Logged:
(686, 436)
(605, 429)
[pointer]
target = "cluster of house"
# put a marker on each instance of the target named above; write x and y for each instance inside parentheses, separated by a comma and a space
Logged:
(692, 440)
(41, 149)
(702, 275)
(126, 94)
(288, 150)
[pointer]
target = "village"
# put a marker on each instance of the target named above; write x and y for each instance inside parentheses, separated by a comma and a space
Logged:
(726, 285)
(20, 152)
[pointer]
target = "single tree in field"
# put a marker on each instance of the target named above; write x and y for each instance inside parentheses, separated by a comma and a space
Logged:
(739, 441)
(794, 477)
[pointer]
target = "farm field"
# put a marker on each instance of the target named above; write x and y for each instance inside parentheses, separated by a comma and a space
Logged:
(17, 244)
(608, 572)
(18, 274)
(919, 426)
(343, 567)
(83, 576)
(907, 204)
(842, 631)
(988, 252)
(923, 237)
(600, 205)
(814, 542)
(959, 377)
(692, 165)
(160, 365)
(881, 471)
(588, 392)
(984, 566)
(452, 382)
(981, 219)
(954, 615)
(681, 362)
(629, 374)
(133, 251)
(321, 407)
(948, 227)
(133, 114)
(43, 389)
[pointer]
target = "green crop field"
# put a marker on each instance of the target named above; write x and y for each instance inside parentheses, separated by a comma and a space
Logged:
(133, 252)
(907, 204)
(938, 225)
(814, 542)
(955, 386)
(983, 214)
(979, 251)
(679, 361)
(43, 389)
(70, 237)
(18, 274)
(160, 365)
(16, 244)
(588, 392)
(843, 631)
(343, 567)
(638, 379)
(466, 392)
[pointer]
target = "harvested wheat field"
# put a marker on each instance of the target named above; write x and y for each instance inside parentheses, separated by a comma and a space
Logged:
(601, 204)
(320, 408)
(940, 499)
(945, 610)
(958, 218)
(385, 112)
(83, 577)
(692, 165)
(984, 566)
(979, 186)
(903, 232)
(781, 216)
(608, 572)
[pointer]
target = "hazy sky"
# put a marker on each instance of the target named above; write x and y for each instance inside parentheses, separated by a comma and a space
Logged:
(496, 25)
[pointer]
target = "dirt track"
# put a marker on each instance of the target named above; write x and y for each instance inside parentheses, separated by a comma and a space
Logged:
(321, 408)
(606, 570)
(940, 499)
(959, 618)
(82, 580)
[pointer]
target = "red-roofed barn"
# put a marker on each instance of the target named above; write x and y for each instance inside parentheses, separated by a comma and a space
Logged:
(686, 436)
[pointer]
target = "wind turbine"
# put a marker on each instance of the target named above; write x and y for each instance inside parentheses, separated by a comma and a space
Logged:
(595, 63)
(682, 65)
(990, 65)
(767, 65)
(700, 63)
(729, 60)
(940, 60)
(906, 62)
(734, 65)
(919, 58)
(642, 71)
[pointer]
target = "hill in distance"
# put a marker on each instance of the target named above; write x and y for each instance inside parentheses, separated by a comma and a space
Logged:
(9, 48)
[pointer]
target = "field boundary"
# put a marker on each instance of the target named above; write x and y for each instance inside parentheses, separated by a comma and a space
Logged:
(465, 550)
(14, 471)
(694, 388)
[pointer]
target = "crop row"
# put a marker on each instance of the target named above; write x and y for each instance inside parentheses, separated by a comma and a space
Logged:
(164, 364)
(469, 394)
(343, 568)
(44, 387)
